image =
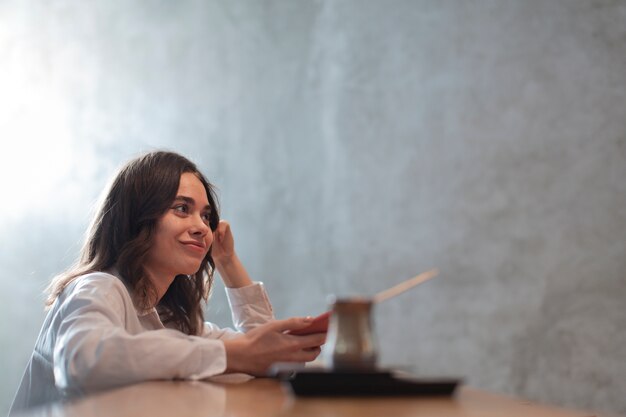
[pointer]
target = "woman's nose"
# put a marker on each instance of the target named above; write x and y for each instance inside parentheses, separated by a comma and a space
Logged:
(199, 226)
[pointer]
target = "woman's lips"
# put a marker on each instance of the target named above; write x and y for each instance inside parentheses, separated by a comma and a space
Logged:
(195, 246)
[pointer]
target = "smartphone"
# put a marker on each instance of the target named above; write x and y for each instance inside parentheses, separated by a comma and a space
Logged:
(319, 325)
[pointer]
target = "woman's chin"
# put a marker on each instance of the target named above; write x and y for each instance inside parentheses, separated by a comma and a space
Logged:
(192, 270)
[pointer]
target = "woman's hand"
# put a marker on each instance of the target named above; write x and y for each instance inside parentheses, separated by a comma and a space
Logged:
(223, 247)
(226, 260)
(254, 352)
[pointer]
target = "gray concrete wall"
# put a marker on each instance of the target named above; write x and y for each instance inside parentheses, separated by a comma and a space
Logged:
(354, 143)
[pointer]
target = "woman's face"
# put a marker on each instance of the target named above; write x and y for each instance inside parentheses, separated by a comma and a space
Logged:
(182, 236)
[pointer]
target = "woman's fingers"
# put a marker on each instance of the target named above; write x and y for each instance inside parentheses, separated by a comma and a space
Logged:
(306, 355)
(310, 341)
(223, 241)
(298, 342)
(302, 355)
(292, 323)
(223, 232)
(223, 228)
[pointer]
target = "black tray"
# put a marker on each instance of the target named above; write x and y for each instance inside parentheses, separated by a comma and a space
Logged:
(369, 383)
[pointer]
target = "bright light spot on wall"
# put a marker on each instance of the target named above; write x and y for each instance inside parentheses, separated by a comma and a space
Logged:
(35, 149)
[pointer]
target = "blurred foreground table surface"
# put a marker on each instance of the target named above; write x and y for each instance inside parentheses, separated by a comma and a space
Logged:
(267, 397)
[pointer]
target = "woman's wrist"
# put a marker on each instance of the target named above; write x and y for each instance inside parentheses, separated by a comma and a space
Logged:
(233, 272)
(225, 261)
(235, 354)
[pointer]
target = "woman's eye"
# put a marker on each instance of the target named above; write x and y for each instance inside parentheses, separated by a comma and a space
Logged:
(206, 217)
(181, 208)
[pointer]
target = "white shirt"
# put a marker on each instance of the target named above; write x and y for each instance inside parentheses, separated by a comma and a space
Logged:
(94, 338)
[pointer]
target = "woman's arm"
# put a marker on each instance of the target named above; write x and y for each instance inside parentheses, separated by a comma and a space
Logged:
(249, 303)
(100, 342)
(266, 340)
(250, 308)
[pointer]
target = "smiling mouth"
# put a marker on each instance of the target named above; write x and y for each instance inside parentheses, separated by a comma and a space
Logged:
(195, 246)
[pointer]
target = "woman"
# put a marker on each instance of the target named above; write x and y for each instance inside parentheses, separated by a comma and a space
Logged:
(130, 309)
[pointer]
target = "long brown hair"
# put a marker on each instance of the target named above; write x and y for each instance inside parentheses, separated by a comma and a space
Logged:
(121, 235)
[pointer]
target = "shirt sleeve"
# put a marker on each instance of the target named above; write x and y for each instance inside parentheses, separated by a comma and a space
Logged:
(95, 350)
(250, 307)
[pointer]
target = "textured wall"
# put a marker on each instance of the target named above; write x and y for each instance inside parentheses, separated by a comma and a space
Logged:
(355, 144)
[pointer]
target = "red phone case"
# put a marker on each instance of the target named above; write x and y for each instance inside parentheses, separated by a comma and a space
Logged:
(319, 325)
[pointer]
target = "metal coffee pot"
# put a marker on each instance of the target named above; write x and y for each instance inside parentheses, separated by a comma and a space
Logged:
(351, 343)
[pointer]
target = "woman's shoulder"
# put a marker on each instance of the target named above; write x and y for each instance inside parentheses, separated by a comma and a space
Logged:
(98, 283)
(100, 279)
(100, 290)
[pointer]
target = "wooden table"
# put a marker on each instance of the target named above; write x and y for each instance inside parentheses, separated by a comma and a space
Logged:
(266, 397)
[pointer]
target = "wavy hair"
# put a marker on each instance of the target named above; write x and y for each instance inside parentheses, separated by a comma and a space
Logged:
(122, 231)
